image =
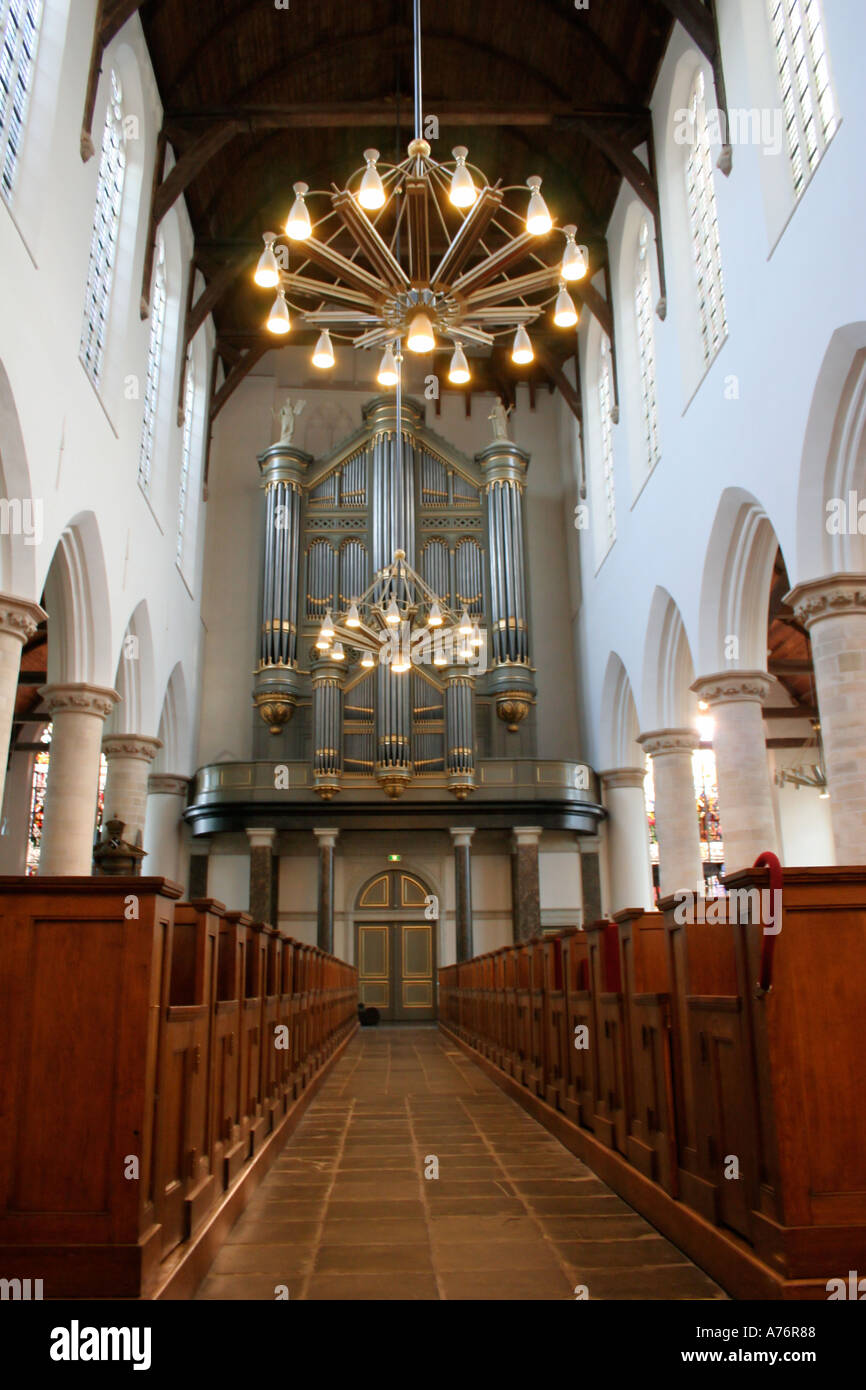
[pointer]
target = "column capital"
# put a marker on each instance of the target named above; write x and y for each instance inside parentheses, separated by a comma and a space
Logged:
(835, 595)
(167, 784)
(728, 687)
(327, 838)
(462, 835)
(670, 741)
(623, 777)
(19, 617)
(526, 835)
(79, 698)
(261, 837)
(140, 746)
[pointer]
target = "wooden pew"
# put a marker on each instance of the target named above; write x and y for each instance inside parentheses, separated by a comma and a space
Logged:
(554, 1022)
(85, 980)
(611, 1064)
(579, 1098)
(232, 1148)
(650, 1120)
(252, 1027)
(713, 1092)
(803, 1052)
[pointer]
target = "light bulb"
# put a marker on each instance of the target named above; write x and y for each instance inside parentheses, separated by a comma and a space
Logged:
(323, 642)
(324, 353)
(465, 625)
(401, 664)
(328, 626)
(388, 373)
(439, 657)
(463, 191)
(435, 618)
(368, 661)
(458, 372)
(476, 639)
(267, 271)
(298, 224)
(279, 319)
(421, 337)
(392, 614)
(521, 351)
(338, 654)
(565, 314)
(574, 265)
(371, 194)
(353, 617)
(538, 219)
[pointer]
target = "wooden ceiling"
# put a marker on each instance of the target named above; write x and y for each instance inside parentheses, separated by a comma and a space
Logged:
(258, 97)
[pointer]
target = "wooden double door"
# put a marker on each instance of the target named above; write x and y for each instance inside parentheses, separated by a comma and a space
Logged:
(395, 947)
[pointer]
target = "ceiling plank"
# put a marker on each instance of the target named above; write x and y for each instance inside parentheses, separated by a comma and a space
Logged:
(697, 21)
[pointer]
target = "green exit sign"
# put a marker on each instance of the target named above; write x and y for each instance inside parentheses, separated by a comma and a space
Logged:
(394, 858)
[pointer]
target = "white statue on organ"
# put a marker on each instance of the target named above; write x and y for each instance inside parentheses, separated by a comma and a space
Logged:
(288, 414)
(499, 416)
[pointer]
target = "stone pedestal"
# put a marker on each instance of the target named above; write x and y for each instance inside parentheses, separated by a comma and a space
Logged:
(628, 848)
(676, 808)
(327, 845)
(525, 894)
(19, 620)
(736, 700)
(128, 758)
(462, 840)
(78, 713)
(166, 799)
(834, 611)
(262, 905)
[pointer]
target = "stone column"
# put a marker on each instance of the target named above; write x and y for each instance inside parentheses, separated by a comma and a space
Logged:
(525, 894)
(834, 611)
(19, 620)
(740, 745)
(166, 799)
(327, 843)
(462, 839)
(128, 758)
(78, 713)
(676, 808)
(627, 838)
(262, 903)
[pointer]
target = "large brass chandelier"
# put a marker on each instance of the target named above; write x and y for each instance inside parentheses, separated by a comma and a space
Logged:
(391, 292)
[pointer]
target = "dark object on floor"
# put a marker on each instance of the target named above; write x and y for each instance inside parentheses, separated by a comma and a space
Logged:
(368, 1018)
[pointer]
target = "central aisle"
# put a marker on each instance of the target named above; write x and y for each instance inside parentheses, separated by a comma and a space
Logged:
(346, 1212)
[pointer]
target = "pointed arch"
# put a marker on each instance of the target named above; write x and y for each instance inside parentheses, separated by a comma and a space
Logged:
(668, 669)
(833, 463)
(79, 607)
(620, 726)
(136, 711)
(17, 550)
(175, 756)
(735, 587)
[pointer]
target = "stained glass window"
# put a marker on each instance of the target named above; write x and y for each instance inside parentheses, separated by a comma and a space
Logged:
(19, 33)
(38, 786)
(103, 245)
(808, 99)
(703, 217)
(646, 348)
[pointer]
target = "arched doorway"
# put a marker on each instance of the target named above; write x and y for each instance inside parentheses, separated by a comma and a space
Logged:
(395, 947)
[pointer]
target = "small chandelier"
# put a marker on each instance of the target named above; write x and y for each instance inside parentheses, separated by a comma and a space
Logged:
(399, 622)
(812, 775)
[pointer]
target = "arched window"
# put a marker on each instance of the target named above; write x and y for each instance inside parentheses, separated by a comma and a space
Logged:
(185, 454)
(605, 428)
(646, 348)
(705, 227)
(808, 99)
(154, 363)
(20, 33)
(106, 218)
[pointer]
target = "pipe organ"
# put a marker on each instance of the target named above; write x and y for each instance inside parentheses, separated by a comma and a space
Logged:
(332, 527)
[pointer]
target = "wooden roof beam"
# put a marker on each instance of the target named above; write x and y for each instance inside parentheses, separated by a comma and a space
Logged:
(111, 15)
(701, 23)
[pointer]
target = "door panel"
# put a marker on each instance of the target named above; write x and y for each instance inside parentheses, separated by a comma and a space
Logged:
(374, 966)
(395, 969)
(416, 965)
